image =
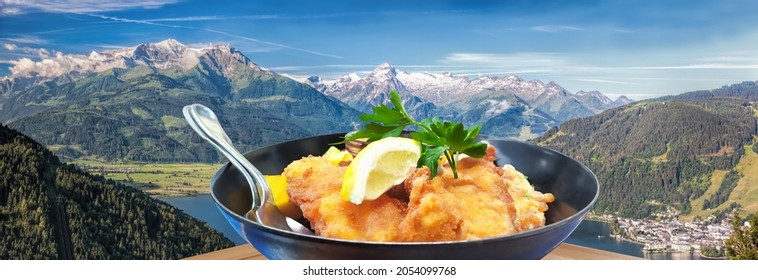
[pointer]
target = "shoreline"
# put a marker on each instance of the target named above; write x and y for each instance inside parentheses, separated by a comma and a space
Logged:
(159, 196)
(596, 218)
(669, 250)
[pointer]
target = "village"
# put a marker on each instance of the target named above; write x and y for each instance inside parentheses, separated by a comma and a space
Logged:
(666, 233)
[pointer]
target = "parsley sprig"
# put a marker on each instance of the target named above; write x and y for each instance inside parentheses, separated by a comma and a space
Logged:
(437, 137)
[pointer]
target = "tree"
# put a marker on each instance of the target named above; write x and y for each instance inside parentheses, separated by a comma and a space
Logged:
(743, 244)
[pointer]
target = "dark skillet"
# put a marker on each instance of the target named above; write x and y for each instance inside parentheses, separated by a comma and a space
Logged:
(574, 186)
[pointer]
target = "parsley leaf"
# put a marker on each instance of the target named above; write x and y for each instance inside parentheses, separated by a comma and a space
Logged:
(437, 137)
(430, 157)
(384, 122)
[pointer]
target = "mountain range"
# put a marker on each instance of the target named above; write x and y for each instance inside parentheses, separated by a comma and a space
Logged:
(126, 104)
(503, 105)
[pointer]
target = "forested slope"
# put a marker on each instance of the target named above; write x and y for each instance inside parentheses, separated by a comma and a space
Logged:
(49, 210)
(650, 154)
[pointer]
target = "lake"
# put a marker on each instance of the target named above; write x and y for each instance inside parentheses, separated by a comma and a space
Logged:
(595, 234)
(591, 234)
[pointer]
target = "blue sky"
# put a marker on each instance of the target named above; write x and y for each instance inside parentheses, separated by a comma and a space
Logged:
(637, 48)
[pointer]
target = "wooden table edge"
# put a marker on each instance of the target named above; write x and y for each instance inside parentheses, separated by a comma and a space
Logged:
(564, 251)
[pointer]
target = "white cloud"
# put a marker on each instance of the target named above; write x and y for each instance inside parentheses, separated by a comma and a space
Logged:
(40, 52)
(189, 18)
(60, 64)
(497, 107)
(579, 64)
(555, 28)
(214, 17)
(622, 30)
(271, 43)
(82, 6)
(108, 46)
(708, 66)
(604, 81)
(25, 39)
(505, 61)
(10, 11)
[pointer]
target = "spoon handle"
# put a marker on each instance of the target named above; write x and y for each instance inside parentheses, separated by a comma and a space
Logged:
(206, 124)
(264, 211)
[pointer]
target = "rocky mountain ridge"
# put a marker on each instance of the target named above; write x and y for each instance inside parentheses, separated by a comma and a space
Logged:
(447, 90)
(134, 112)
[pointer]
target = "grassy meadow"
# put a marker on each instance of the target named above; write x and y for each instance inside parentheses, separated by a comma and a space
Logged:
(161, 179)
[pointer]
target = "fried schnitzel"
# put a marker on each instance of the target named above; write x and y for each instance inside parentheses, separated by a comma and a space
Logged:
(314, 185)
(484, 201)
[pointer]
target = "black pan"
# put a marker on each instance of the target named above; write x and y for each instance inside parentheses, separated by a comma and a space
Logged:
(574, 186)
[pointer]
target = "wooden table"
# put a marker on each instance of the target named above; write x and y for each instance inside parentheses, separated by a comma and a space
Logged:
(563, 252)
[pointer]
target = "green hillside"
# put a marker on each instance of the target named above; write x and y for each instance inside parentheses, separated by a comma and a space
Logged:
(676, 153)
(135, 114)
(49, 210)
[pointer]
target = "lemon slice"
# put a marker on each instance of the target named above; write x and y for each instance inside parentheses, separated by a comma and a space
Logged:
(379, 166)
(335, 156)
(278, 186)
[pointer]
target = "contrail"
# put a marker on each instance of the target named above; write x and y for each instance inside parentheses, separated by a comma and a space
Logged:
(214, 31)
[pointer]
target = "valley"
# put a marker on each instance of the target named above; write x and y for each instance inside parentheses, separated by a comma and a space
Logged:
(156, 179)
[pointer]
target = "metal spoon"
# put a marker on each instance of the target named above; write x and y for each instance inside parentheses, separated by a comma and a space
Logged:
(263, 211)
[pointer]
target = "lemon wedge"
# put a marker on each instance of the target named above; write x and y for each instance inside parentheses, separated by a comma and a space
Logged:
(379, 166)
(278, 186)
(335, 156)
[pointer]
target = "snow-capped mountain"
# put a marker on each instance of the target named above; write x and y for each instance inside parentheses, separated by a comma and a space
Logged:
(449, 91)
(373, 90)
(162, 55)
(441, 88)
(598, 102)
(595, 95)
(126, 103)
(367, 92)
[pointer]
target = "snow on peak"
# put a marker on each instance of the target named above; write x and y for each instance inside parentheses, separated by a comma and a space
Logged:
(553, 88)
(443, 88)
(170, 44)
(385, 70)
(437, 87)
(352, 77)
(594, 94)
(164, 54)
(385, 65)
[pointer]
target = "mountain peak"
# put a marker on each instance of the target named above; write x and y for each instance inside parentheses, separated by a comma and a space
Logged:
(385, 65)
(622, 100)
(385, 69)
(593, 93)
(165, 54)
(170, 44)
(553, 88)
(590, 99)
(383, 78)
